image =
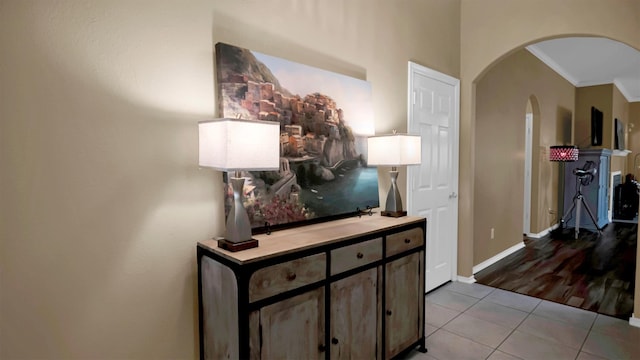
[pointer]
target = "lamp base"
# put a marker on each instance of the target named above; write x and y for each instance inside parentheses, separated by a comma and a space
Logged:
(394, 213)
(239, 246)
(393, 206)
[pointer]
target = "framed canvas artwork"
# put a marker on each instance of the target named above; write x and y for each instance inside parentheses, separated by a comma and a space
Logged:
(325, 119)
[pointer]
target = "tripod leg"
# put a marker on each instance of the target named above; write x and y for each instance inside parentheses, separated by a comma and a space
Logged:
(578, 217)
(595, 223)
(566, 214)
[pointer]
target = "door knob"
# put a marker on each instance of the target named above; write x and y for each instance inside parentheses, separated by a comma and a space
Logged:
(453, 195)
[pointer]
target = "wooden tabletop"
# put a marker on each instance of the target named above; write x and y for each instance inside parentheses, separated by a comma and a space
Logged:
(304, 237)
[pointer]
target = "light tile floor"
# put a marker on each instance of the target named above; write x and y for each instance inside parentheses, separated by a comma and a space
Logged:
(474, 321)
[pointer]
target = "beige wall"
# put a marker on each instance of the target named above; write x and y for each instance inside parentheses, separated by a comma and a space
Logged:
(600, 97)
(620, 111)
(633, 139)
(618, 163)
(490, 30)
(608, 99)
(102, 198)
(102, 201)
(501, 100)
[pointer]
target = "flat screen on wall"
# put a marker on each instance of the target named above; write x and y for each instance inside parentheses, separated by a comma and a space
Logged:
(596, 127)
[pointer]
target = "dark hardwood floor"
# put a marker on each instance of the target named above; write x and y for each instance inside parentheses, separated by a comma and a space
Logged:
(596, 273)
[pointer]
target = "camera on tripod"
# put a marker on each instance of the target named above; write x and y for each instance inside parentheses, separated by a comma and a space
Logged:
(585, 172)
(584, 176)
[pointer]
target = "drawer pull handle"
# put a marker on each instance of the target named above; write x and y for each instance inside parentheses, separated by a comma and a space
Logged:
(291, 276)
(334, 341)
(407, 240)
(359, 255)
(389, 312)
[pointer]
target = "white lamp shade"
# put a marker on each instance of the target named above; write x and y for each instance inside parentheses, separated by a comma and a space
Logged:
(239, 144)
(393, 150)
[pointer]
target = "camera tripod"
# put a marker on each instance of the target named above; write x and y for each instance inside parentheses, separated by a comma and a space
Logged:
(582, 178)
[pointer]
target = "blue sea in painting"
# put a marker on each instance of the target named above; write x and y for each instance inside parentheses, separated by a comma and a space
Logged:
(352, 188)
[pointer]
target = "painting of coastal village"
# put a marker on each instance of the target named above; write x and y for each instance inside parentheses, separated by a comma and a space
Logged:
(325, 119)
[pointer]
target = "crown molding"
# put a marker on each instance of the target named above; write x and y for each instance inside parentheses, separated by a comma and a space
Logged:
(533, 49)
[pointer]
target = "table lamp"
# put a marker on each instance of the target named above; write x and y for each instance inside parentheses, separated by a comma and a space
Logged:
(394, 150)
(239, 145)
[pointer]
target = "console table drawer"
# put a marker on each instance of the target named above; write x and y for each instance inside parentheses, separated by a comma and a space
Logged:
(404, 240)
(352, 256)
(286, 276)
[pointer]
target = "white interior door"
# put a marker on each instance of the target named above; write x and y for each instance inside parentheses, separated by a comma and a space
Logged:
(434, 103)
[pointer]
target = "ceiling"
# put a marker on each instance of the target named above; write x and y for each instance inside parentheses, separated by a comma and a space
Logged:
(587, 61)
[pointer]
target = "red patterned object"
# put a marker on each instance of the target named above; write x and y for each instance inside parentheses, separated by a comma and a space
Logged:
(563, 153)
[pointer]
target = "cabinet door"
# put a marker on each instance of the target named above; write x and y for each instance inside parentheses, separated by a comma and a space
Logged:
(291, 329)
(403, 299)
(219, 313)
(355, 316)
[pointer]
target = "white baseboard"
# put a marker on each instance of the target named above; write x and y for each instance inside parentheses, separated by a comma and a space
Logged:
(634, 321)
(466, 280)
(543, 233)
(483, 265)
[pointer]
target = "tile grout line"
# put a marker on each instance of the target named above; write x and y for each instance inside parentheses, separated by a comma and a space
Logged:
(455, 317)
(494, 349)
(514, 330)
(587, 337)
(478, 297)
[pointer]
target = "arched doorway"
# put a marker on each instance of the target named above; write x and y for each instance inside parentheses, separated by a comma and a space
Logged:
(497, 153)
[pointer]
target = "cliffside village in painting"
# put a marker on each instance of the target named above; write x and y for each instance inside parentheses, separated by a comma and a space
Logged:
(321, 168)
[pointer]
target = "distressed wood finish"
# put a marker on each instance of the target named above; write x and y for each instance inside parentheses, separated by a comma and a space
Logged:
(286, 276)
(219, 289)
(354, 314)
(293, 328)
(403, 322)
(403, 241)
(353, 256)
(294, 240)
(254, 335)
(318, 291)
